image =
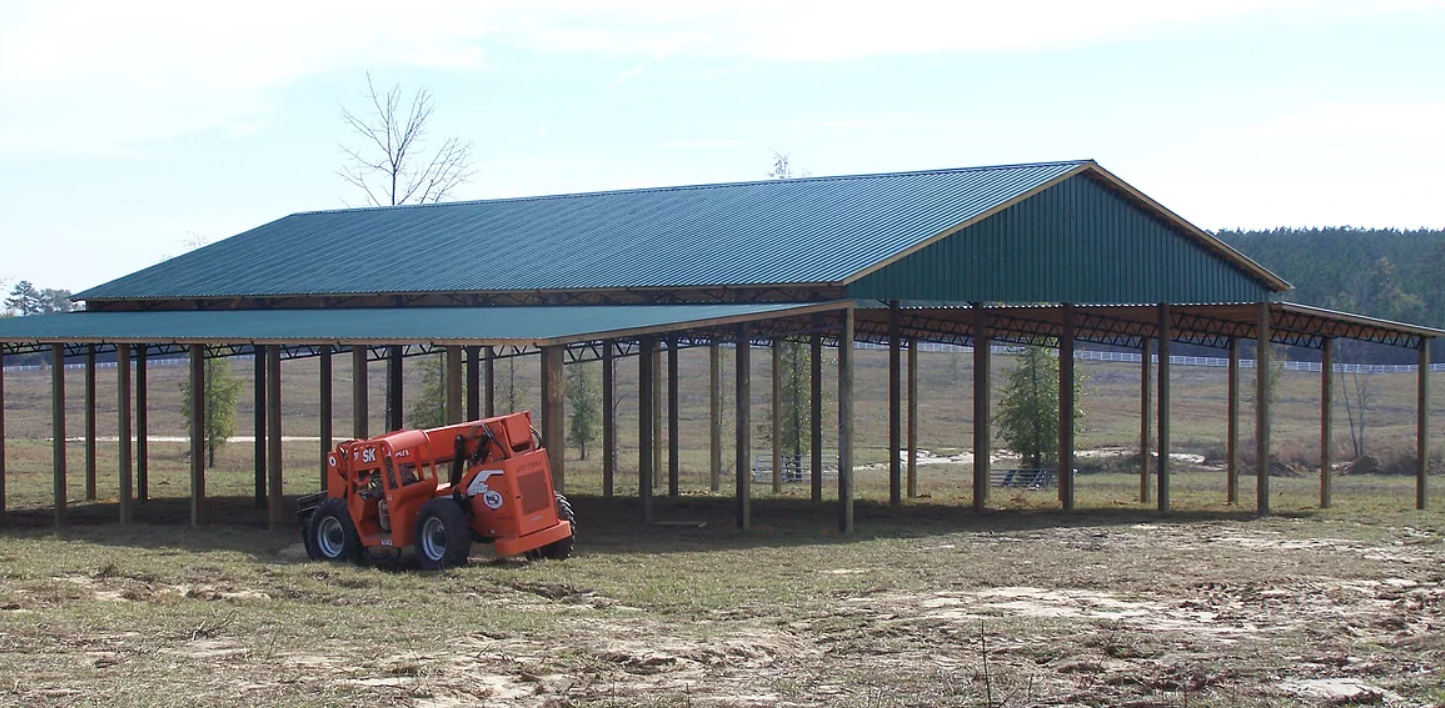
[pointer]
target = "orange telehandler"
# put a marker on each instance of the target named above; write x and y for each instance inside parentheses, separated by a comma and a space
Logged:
(386, 493)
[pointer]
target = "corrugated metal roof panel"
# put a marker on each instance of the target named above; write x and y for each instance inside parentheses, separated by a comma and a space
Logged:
(478, 325)
(814, 230)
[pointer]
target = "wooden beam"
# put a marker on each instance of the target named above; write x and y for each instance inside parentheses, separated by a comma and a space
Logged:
(489, 392)
(395, 376)
(198, 433)
(123, 433)
(1261, 404)
(845, 423)
(982, 390)
(1422, 428)
(554, 414)
(674, 465)
(776, 419)
(1327, 422)
(1231, 443)
(2, 435)
(657, 401)
(645, 422)
(742, 504)
(474, 383)
(454, 410)
(360, 393)
(258, 455)
(90, 446)
(895, 405)
(142, 431)
(1066, 409)
(912, 418)
(1146, 395)
(609, 418)
(57, 430)
(1165, 334)
(715, 424)
(275, 488)
(324, 393)
(815, 414)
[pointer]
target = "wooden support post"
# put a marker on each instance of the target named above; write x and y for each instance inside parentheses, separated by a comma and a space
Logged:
(275, 489)
(674, 465)
(123, 433)
(454, 385)
(912, 418)
(815, 414)
(198, 433)
(776, 422)
(982, 392)
(845, 423)
(394, 394)
(776, 419)
(609, 418)
(895, 404)
(1327, 422)
(1231, 442)
(90, 471)
(645, 421)
(2, 435)
(142, 431)
(57, 430)
(743, 432)
(715, 424)
(1066, 409)
(1146, 422)
(474, 382)
(554, 414)
(258, 454)
(1261, 404)
(360, 393)
(1166, 333)
(657, 434)
(1422, 428)
(324, 393)
(489, 391)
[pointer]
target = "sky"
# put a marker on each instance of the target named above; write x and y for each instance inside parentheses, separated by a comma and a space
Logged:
(130, 130)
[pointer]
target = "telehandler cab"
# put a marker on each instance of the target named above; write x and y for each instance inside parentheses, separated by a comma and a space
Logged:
(385, 493)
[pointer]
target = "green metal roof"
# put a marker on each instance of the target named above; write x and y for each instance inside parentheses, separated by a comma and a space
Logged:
(814, 230)
(436, 325)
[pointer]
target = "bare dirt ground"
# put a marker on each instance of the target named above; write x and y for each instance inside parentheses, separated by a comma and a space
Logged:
(930, 605)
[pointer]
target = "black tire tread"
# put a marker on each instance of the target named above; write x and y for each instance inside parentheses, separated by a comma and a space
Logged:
(351, 546)
(458, 531)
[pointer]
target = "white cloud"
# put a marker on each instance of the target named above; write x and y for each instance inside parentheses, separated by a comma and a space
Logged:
(104, 77)
(623, 77)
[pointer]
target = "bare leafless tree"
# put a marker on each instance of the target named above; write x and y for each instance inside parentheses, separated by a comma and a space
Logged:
(392, 166)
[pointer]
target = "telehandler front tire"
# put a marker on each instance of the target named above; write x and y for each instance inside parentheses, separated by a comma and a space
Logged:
(331, 536)
(559, 550)
(443, 537)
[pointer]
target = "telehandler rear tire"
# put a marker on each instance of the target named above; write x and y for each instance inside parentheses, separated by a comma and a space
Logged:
(443, 537)
(331, 536)
(560, 550)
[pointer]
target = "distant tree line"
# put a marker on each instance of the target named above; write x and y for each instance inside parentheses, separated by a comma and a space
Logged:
(26, 299)
(1386, 273)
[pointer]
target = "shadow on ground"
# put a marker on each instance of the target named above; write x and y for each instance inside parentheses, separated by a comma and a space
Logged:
(610, 526)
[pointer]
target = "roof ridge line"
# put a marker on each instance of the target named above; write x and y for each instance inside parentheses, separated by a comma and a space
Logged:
(703, 186)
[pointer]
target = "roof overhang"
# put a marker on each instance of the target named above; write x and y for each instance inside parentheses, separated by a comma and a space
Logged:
(486, 326)
(1130, 325)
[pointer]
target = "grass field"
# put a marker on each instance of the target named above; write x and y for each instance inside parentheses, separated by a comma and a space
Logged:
(930, 604)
